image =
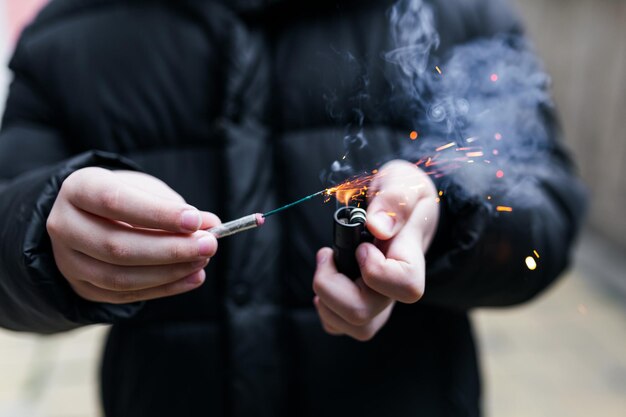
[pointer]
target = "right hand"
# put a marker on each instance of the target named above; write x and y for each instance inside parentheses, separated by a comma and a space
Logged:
(121, 236)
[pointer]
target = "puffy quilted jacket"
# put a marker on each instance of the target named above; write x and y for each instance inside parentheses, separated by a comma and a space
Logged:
(228, 103)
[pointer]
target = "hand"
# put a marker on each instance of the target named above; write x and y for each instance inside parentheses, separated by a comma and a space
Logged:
(402, 215)
(121, 236)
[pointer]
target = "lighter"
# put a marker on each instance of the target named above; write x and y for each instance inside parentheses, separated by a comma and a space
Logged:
(349, 232)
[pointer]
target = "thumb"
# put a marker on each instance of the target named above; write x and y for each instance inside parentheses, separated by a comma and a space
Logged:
(398, 188)
(383, 224)
(325, 262)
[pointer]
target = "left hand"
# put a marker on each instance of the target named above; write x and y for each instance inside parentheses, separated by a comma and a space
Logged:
(402, 215)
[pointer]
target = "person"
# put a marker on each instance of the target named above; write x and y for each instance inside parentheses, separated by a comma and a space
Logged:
(130, 126)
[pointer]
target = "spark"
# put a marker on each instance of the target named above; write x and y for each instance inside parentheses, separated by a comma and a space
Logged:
(536, 254)
(413, 135)
(495, 152)
(494, 77)
(504, 208)
(531, 263)
(344, 157)
(474, 154)
(499, 173)
(437, 200)
(446, 146)
(438, 70)
(472, 139)
(497, 136)
(391, 214)
(440, 193)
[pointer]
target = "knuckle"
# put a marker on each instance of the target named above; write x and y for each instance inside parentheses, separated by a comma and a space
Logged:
(358, 316)
(364, 334)
(119, 282)
(179, 252)
(110, 199)
(413, 291)
(115, 249)
(70, 184)
(87, 292)
(327, 328)
(89, 296)
(319, 284)
(162, 214)
(127, 297)
(53, 225)
(371, 271)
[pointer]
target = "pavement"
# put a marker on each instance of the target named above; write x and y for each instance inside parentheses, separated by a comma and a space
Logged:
(563, 354)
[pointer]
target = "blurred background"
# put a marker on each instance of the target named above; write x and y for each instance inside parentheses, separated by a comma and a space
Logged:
(562, 355)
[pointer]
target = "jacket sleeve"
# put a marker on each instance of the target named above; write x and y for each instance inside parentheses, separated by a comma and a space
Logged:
(35, 158)
(478, 256)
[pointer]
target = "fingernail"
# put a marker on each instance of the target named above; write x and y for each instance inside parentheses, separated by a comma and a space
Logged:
(383, 222)
(191, 220)
(361, 254)
(197, 278)
(322, 257)
(206, 246)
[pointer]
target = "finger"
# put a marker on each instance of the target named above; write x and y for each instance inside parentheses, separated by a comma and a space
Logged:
(120, 245)
(127, 278)
(400, 279)
(362, 333)
(395, 190)
(103, 194)
(353, 301)
(209, 220)
(93, 293)
(327, 328)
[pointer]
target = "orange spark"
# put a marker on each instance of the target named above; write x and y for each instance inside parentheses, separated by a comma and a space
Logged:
(473, 154)
(413, 135)
(499, 173)
(391, 214)
(446, 146)
(438, 70)
(504, 208)
(536, 254)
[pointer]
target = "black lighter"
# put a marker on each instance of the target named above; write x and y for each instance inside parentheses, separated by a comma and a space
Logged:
(349, 232)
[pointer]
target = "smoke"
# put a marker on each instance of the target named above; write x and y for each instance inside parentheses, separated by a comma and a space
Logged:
(486, 97)
(354, 139)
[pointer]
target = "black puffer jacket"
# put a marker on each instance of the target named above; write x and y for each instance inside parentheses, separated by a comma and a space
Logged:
(227, 102)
